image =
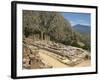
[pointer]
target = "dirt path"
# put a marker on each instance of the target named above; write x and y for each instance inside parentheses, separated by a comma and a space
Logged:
(50, 60)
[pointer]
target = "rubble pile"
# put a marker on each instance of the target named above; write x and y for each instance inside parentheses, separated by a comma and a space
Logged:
(31, 58)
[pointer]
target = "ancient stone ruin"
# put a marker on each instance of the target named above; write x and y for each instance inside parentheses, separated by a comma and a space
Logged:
(68, 55)
(31, 58)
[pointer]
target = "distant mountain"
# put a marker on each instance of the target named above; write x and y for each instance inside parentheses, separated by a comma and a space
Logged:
(83, 29)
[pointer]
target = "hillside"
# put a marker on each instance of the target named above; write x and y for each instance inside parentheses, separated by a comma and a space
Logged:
(85, 31)
(43, 25)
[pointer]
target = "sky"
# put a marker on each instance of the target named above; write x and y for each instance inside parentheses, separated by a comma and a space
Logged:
(77, 18)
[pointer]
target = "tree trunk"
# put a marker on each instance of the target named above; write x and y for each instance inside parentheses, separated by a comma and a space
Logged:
(41, 35)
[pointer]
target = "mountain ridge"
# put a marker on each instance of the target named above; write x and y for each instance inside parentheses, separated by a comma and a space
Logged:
(83, 29)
